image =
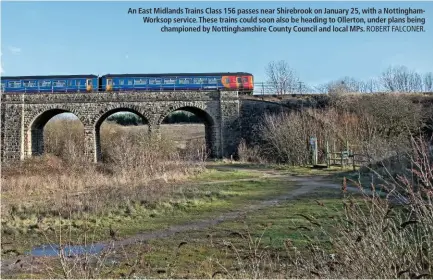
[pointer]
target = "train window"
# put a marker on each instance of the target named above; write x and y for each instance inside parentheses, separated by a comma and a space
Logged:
(109, 82)
(239, 79)
(245, 79)
(59, 83)
(14, 84)
(121, 82)
(44, 83)
(228, 80)
(184, 81)
(70, 82)
(169, 81)
(30, 84)
(89, 82)
(140, 82)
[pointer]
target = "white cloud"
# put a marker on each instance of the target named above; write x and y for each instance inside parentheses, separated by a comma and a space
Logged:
(14, 50)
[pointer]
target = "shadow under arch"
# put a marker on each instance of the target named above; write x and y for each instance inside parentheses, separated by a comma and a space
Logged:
(107, 114)
(35, 133)
(209, 124)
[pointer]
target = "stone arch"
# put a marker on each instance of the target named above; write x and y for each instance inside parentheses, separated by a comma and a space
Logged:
(199, 108)
(36, 124)
(210, 123)
(108, 111)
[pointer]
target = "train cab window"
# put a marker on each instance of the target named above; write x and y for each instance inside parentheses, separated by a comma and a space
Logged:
(109, 82)
(245, 79)
(227, 80)
(239, 79)
(89, 82)
(70, 83)
(121, 82)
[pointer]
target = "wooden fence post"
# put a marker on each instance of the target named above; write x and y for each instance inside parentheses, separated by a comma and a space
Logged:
(314, 154)
(334, 150)
(327, 154)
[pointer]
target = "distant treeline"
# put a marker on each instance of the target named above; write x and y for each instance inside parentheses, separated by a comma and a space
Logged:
(175, 117)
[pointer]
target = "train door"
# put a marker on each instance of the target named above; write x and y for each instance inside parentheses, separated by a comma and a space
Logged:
(239, 83)
(89, 85)
(247, 82)
(109, 86)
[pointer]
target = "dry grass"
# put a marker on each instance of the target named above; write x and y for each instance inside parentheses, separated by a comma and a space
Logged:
(61, 182)
(373, 237)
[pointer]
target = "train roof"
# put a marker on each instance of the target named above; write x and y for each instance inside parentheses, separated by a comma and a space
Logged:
(48, 77)
(179, 74)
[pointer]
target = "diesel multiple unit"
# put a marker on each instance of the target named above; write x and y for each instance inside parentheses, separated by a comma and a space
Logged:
(238, 81)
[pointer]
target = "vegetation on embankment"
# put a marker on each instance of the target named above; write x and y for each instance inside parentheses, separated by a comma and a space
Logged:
(377, 126)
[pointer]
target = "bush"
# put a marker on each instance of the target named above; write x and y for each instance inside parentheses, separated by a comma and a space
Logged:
(364, 121)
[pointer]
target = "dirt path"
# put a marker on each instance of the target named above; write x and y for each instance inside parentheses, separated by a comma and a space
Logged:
(306, 185)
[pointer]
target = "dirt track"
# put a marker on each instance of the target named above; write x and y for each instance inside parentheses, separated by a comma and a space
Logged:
(306, 184)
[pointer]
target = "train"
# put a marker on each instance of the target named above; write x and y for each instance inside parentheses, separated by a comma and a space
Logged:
(228, 81)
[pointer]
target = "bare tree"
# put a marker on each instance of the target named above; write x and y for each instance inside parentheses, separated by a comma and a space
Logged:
(401, 79)
(369, 86)
(281, 77)
(428, 82)
(322, 88)
(343, 85)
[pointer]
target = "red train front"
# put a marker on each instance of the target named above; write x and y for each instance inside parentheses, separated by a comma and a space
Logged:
(242, 82)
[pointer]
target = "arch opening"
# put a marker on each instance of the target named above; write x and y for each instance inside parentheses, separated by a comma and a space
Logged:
(193, 130)
(57, 132)
(119, 133)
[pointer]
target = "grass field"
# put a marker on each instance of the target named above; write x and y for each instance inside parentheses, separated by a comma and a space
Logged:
(180, 133)
(159, 214)
(203, 198)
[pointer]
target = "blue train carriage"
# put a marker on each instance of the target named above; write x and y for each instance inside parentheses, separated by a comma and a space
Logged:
(49, 84)
(178, 81)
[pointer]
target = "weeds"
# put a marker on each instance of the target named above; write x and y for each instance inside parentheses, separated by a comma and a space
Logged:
(375, 236)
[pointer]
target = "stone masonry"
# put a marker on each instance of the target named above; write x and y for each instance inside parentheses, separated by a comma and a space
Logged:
(227, 117)
(23, 117)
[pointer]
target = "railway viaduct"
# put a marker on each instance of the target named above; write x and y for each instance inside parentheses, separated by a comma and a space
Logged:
(226, 116)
